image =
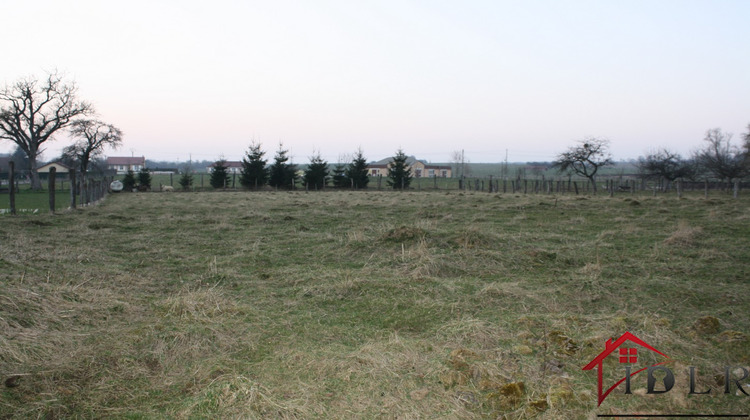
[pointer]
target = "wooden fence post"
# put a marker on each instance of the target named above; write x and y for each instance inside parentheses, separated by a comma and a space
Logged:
(11, 186)
(736, 188)
(51, 180)
(72, 188)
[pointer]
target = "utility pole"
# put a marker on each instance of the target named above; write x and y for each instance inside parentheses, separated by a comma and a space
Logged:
(505, 168)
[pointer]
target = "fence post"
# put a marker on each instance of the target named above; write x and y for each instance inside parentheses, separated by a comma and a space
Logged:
(736, 188)
(706, 189)
(72, 188)
(11, 186)
(52, 176)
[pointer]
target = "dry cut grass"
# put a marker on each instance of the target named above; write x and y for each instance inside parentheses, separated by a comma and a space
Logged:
(366, 304)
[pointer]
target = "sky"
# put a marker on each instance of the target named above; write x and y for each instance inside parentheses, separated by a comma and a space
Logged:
(524, 79)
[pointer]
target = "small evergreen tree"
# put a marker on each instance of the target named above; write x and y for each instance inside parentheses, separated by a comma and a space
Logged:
(316, 173)
(356, 172)
(282, 174)
(399, 174)
(186, 180)
(144, 179)
(220, 174)
(340, 180)
(254, 171)
(128, 182)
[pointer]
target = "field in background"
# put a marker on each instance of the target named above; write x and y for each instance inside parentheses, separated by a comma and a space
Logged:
(365, 304)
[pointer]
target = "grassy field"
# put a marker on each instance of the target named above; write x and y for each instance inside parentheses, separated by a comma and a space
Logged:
(28, 201)
(368, 304)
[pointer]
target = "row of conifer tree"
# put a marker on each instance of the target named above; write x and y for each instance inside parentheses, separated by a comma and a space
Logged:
(257, 173)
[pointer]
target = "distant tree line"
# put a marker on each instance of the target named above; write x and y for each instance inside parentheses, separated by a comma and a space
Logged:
(34, 111)
(718, 159)
(257, 173)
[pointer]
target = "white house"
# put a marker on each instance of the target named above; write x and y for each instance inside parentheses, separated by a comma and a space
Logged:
(123, 164)
(233, 167)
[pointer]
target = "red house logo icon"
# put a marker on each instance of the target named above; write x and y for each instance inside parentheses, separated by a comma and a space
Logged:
(626, 351)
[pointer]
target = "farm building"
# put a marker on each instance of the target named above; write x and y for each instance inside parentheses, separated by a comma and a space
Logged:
(59, 168)
(419, 168)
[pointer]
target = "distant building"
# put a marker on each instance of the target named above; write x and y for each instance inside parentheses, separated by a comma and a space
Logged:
(375, 169)
(124, 164)
(418, 168)
(233, 167)
(59, 168)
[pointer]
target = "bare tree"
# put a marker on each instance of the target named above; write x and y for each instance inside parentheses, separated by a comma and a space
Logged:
(460, 164)
(585, 159)
(92, 137)
(31, 112)
(457, 161)
(720, 157)
(746, 146)
(667, 165)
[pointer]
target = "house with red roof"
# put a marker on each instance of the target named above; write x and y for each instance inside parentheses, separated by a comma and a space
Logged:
(123, 164)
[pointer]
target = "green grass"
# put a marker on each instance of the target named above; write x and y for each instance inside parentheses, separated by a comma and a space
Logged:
(363, 304)
(36, 201)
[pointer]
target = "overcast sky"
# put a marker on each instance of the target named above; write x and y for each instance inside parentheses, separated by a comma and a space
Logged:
(430, 76)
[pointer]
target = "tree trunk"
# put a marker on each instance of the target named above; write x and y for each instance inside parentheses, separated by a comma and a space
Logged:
(36, 183)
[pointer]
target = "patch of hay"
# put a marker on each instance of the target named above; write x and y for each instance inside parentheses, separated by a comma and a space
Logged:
(203, 304)
(472, 238)
(685, 235)
(403, 234)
